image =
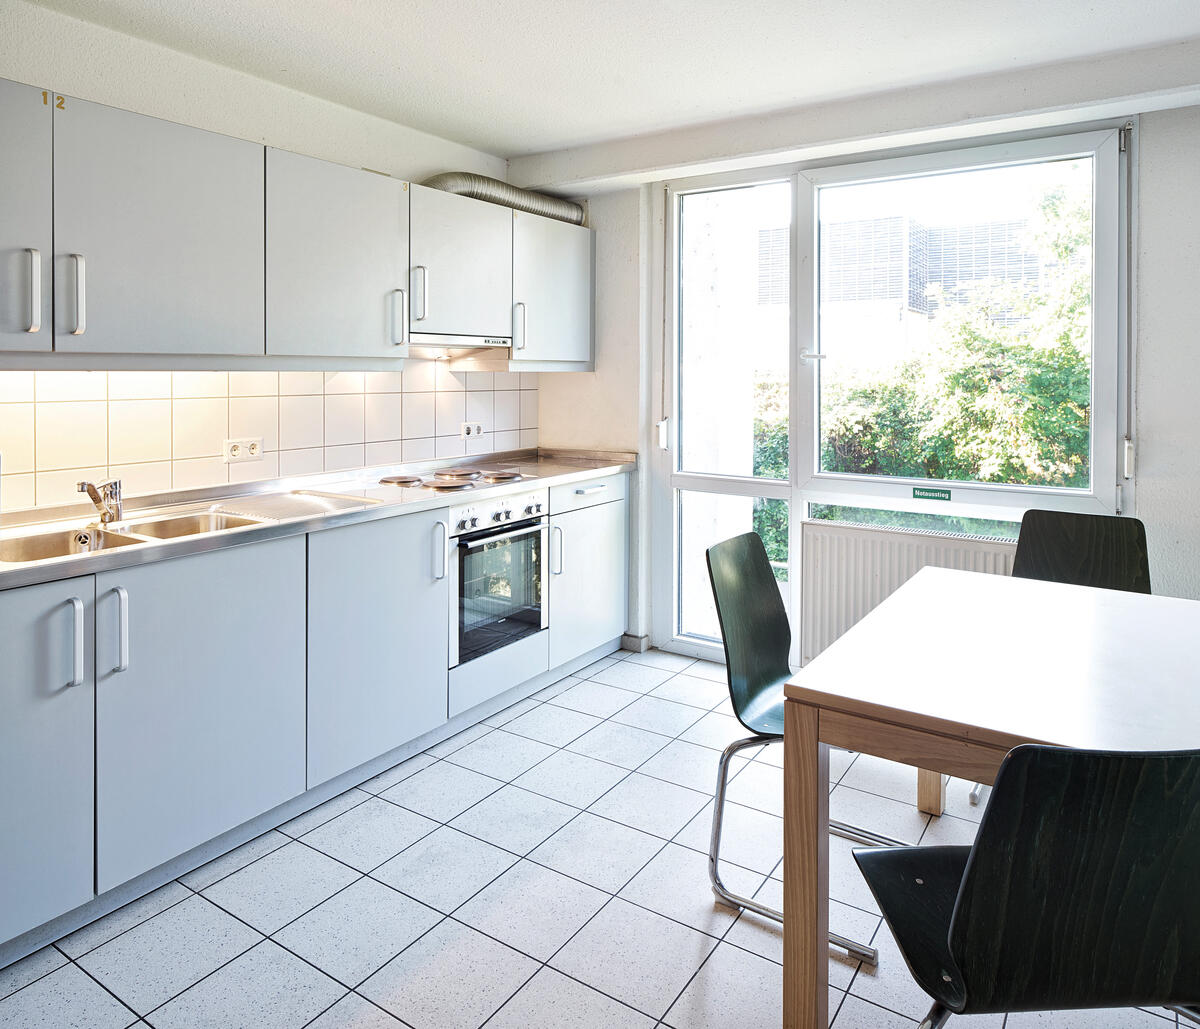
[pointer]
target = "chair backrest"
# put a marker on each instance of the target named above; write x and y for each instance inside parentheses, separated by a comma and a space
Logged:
(754, 623)
(1084, 550)
(1082, 887)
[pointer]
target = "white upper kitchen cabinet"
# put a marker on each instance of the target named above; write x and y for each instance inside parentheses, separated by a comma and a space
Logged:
(158, 236)
(337, 260)
(199, 700)
(553, 294)
(378, 638)
(47, 692)
(461, 266)
(26, 216)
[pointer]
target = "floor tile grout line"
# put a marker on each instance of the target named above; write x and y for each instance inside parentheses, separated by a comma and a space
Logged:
(91, 950)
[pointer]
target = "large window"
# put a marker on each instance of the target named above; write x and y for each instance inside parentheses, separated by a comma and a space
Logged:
(932, 342)
(964, 329)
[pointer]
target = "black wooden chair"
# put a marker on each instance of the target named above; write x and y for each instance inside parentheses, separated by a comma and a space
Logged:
(1084, 550)
(1081, 550)
(757, 637)
(1074, 846)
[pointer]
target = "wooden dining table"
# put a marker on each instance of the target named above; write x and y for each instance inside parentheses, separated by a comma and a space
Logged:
(948, 674)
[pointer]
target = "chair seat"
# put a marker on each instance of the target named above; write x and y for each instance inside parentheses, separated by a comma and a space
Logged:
(764, 713)
(916, 888)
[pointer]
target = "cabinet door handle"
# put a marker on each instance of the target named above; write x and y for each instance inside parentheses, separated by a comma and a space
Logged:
(122, 628)
(441, 552)
(80, 295)
(35, 290)
(587, 491)
(77, 649)
(519, 340)
(399, 317)
(559, 535)
(423, 303)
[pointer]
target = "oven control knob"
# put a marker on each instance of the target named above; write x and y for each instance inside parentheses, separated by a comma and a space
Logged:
(537, 508)
(498, 516)
(532, 509)
(508, 516)
(474, 523)
(462, 524)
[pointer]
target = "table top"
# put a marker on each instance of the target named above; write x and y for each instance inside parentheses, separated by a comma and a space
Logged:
(1004, 661)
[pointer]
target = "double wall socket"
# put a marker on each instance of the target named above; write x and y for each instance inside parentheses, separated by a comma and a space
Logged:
(470, 429)
(250, 448)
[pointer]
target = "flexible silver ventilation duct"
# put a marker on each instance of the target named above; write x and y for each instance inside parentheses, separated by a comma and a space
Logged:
(482, 187)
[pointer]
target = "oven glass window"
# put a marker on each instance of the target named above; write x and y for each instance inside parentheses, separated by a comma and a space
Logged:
(500, 596)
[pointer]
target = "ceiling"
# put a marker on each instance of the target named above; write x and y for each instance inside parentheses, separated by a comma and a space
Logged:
(515, 77)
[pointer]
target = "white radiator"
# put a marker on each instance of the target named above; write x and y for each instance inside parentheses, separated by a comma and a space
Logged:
(847, 569)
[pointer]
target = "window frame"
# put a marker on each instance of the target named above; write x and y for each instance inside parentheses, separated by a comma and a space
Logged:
(984, 500)
(1112, 491)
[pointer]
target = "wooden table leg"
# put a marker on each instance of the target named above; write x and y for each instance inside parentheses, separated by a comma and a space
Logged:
(805, 870)
(931, 792)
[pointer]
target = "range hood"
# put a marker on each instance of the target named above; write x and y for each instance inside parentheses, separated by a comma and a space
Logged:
(436, 347)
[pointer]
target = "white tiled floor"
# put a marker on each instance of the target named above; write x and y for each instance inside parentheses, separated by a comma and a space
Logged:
(544, 869)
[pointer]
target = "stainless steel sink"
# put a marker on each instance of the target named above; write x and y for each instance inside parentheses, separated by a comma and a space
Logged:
(188, 525)
(45, 545)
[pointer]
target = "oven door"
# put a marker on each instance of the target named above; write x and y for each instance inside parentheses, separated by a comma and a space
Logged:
(500, 589)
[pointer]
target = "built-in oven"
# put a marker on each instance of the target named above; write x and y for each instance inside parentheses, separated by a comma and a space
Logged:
(498, 569)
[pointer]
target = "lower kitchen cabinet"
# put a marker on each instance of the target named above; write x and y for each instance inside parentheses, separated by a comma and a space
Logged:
(199, 700)
(47, 693)
(379, 623)
(589, 558)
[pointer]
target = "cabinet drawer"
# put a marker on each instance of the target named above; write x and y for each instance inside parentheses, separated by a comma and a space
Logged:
(587, 494)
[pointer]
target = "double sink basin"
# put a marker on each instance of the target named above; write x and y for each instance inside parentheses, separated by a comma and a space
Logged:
(94, 537)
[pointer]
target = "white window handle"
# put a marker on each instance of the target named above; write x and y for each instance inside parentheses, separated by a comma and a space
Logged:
(809, 355)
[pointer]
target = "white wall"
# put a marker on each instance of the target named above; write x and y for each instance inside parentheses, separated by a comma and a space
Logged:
(1168, 354)
(53, 51)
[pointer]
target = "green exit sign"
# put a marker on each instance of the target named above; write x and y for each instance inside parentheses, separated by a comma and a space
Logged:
(922, 493)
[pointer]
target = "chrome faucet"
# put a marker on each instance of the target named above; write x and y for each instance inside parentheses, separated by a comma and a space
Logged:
(107, 498)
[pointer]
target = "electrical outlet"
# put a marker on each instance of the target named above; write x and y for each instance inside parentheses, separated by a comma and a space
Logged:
(470, 429)
(249, 448)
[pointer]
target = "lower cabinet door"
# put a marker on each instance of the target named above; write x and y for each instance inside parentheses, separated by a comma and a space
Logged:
(379, 624)
(199, 700)
(589, 570)
(47, 694)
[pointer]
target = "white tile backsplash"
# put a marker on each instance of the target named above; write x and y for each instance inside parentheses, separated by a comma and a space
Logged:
(344, 419)
(166, 430)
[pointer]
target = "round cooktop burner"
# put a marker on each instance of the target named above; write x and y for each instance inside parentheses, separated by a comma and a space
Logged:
(454, 474)
(401, 480)
(449, 485)
(501, 475)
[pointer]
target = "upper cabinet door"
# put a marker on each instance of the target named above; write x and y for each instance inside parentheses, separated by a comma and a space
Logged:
(337, 259)
(461, 273)
(158, 236)
(553, 296)
(26, 217)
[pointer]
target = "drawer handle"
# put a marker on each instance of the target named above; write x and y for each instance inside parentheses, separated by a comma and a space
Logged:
(587, 491)
(122, 628)
(77, 653)
(441, 552)
(35, 292)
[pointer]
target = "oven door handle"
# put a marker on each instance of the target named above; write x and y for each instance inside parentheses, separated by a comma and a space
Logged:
(523, 531)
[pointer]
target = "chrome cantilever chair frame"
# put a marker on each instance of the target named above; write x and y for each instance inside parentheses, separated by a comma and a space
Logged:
(850, 832)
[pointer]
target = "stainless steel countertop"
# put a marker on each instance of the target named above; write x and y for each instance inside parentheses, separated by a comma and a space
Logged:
(547, 469)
